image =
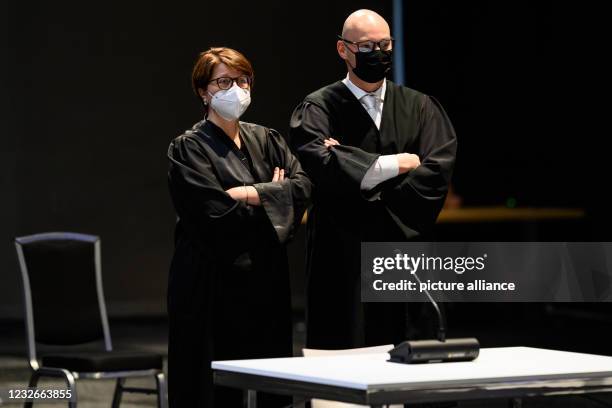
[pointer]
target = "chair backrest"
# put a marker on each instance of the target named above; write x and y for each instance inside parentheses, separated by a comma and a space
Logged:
(63, 293)
(317, 403)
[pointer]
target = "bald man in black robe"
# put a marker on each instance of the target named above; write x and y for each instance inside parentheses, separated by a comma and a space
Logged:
(380, 156)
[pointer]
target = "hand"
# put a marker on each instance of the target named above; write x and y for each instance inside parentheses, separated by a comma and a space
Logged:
(331, 142)
(407, 162)
(279, 175)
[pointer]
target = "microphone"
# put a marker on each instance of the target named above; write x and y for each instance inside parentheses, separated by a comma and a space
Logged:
(431, 351)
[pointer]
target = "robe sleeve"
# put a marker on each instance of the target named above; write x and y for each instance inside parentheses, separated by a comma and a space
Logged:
(417, 197)
(337, 172)
(284, 202)
(200, 201)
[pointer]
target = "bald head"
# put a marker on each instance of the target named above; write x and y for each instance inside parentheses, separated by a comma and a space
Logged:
(369, 29)
(364, 25)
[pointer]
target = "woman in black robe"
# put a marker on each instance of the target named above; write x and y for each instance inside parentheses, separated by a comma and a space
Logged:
(239, 194)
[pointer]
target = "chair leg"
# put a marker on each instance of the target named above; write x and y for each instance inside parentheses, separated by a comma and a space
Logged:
(57, 373)
(118, 392)
(162, 392)
(33, 382)
(251, 398)
(72, 402)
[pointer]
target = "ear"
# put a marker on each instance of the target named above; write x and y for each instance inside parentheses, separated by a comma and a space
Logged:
(203, 97)
(341, 48)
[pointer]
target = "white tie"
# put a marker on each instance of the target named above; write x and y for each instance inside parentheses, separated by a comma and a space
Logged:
(369, 101)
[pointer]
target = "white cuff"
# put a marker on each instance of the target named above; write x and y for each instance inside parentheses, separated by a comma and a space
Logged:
(384, 168)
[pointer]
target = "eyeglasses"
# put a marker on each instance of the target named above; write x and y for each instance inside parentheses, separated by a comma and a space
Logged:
(243, 81)
(369, 46)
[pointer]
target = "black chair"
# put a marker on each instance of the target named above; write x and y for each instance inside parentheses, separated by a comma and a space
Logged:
(64, 306)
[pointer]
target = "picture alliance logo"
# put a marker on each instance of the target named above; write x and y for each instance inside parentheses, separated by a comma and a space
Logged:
(414, 264)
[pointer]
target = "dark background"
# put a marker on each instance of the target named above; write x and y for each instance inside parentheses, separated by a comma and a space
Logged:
(93, 92)
(97, 90)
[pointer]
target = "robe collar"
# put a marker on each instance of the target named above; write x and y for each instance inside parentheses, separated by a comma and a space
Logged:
(235, 154)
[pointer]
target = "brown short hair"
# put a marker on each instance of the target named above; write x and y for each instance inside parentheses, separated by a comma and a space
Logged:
(208, 60)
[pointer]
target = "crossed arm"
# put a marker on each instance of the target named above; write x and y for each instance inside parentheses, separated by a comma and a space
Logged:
(248, 194)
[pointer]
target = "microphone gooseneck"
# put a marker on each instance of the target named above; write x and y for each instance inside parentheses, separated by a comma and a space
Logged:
(441, 320)
(440, 350)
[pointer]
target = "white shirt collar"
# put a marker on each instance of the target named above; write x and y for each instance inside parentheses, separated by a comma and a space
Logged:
(358, 92)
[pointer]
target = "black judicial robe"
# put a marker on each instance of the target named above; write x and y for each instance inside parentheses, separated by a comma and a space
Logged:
(228, 290)
(342, 215)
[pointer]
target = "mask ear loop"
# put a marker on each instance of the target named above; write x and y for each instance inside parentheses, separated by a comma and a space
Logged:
(206, 105)
(346, 47)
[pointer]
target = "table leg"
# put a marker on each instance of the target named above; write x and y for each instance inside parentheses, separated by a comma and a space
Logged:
(515, 403)
(251, 399)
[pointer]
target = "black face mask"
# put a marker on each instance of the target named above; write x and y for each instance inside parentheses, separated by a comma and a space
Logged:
(372, 66)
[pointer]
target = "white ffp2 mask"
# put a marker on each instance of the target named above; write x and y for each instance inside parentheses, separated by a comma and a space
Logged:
(231, 103)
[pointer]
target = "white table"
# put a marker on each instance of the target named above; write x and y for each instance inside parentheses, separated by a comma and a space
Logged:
(508, 372)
